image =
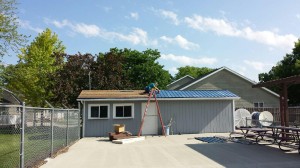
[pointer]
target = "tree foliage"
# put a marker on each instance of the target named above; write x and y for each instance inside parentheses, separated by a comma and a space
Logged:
(71, 79)
(118, 69)
(10, 39)
(192, 71)
(142, 68)
(108, 71)
(289, 66)
(30, 77)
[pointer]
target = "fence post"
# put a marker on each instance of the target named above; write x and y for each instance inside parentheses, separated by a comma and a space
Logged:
(22, 136)
(79, 119)
(52, 132)
(67, 127)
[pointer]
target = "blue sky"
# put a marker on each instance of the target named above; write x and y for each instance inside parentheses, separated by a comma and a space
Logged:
(246, 36)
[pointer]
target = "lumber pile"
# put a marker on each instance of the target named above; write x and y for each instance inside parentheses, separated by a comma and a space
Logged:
(119, 133)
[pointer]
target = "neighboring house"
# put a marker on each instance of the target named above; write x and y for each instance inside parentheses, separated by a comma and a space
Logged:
(9, 113)
(190, 111)
(225, 78)
(179, 82)
(8, 97)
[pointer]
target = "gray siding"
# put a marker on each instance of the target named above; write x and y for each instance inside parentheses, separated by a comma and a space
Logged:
(239, 86)
(198, 116)
(179, 83)
(189, 116)
(101, 127)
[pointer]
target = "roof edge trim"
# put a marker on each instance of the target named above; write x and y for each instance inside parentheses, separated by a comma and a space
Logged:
(144, 99)
(180, 79)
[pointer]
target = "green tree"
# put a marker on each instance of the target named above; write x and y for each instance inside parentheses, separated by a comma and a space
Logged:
(108, 71)
(289, 66)
(31, 76)
(117, 69)
(71, 79)
(192, 71)
(10, 39)
(142, 68)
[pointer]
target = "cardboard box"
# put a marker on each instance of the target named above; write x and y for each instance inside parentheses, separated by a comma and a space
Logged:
(119, 128)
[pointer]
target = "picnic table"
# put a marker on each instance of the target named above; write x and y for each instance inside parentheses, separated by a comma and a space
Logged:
(285, 137)
(252, 132)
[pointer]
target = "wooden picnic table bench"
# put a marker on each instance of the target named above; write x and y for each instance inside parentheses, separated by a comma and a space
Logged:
(249, 132)
(286, 137)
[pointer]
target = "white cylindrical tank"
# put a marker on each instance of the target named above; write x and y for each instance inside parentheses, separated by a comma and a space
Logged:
(241, 116)
(264, 118)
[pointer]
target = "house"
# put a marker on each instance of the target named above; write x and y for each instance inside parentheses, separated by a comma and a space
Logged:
(9, 109)
(8, 97)
(196, 111)
(227, 79)
(180, 82)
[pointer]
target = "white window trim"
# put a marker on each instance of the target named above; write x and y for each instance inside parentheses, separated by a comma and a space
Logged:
(123, 104)
(258, 104)
(96, 118)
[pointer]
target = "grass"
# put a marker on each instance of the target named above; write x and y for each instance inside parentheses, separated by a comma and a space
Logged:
(37, 147)
(9, 150)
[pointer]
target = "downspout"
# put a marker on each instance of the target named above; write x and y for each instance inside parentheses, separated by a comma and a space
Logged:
(233, 109)
(83, 120)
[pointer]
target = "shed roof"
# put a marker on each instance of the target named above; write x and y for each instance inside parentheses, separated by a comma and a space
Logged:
(164, 94)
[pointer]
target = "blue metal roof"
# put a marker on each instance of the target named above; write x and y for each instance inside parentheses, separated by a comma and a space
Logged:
(196, 94)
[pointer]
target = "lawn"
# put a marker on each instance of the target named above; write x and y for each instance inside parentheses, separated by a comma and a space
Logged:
(9, 150)
(37, 146)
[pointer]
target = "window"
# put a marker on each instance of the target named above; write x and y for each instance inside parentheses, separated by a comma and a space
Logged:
(123, 111)
(259, 104)
(98, 111)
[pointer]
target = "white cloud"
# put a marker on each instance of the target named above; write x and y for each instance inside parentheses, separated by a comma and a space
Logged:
(259, 66)
(184, 60)
(223, 27)
(173, 70)
(298, 15)
(86, 30)
(59, 24)
(169, 15)
(136, 36)
(26, 25)
(134, 15)
(181, 41)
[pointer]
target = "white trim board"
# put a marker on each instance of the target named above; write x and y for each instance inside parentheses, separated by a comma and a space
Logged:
(180, 79)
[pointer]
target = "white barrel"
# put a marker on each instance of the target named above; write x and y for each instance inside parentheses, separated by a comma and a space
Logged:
(264, 118)
(241, 117)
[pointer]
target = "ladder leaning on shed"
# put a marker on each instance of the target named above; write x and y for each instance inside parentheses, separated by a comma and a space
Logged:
(152, 93)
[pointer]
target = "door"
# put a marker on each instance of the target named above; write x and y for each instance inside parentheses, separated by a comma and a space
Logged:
(150, 126)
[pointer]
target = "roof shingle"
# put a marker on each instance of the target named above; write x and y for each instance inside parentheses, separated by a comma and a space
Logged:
(130, 94)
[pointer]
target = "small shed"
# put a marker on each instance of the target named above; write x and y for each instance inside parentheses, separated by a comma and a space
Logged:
(188, 112)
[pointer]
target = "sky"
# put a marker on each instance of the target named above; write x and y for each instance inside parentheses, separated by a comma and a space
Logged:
(248, 37)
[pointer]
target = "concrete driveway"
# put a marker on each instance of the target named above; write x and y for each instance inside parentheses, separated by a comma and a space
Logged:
(176, 151)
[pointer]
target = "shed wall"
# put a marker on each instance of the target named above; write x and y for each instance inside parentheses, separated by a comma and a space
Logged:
(192, 117)
(189, 116)
(101, 127)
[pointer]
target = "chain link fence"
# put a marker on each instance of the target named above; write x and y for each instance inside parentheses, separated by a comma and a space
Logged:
(46, 131)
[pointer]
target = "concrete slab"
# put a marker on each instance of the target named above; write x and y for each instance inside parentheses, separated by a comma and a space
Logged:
(176, 151)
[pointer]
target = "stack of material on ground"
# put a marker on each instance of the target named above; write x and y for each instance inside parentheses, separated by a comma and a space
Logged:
(119, 133)
(212, 139)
